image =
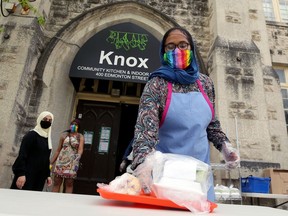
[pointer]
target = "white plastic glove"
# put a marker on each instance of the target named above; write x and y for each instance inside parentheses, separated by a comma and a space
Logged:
(230, 155)
(144, 173)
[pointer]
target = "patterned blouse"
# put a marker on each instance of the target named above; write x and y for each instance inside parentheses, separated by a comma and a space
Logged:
(152, 105)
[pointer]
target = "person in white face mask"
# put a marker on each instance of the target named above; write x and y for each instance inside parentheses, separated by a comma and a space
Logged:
(31, 167)
(67, 157)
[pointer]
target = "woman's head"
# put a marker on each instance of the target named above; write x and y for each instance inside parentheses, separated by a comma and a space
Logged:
(178, 57)
(45, 120)
(177, 48)
(43, 127)
(175, 35)
(74, 125)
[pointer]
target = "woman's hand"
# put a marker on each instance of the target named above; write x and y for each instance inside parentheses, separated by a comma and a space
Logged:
(123, 166)
(49, 181)
(230, 155)
(20, 181)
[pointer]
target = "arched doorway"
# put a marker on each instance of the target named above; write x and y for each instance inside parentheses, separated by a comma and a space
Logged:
(108, 126)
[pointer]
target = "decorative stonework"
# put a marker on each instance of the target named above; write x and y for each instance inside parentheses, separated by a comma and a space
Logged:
(256, 36)
(272, 113)
(268, 84)
(233, 17)
(275, 143)
(278, 37)
(242, 110)
(253, 14)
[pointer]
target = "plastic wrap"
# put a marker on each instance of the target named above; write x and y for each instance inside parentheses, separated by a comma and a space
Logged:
(225, 193)
(124, 184)
(230, 155)
(179, 178)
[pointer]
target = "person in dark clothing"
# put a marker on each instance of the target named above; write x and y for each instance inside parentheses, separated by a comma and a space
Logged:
(126, 161)
(31, 167)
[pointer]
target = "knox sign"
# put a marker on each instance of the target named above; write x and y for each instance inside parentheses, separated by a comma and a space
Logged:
(123, 52)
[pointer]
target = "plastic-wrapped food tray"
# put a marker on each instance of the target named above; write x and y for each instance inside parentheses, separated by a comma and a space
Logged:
(144, 199)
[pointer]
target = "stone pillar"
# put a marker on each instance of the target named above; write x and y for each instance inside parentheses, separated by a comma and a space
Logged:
(248, 97)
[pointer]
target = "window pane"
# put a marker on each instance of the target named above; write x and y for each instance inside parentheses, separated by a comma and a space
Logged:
(268, 10)
(283, 5)
(281, 75)
(117, 85)
(286, 116)
(284, 93)
(131, 89)
(103, 86)
(89, 83)
(285, 103)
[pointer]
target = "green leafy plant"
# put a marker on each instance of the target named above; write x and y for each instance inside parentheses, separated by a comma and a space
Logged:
(25, 4)
(41, 20)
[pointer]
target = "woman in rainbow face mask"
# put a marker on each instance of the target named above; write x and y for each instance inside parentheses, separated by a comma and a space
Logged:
(176, 111)
(67, 157)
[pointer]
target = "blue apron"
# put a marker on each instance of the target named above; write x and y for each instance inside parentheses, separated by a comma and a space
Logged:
(183, 126)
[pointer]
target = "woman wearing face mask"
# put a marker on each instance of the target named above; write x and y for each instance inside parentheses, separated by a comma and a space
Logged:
(67, 157)
(176, 111)
(31, 168)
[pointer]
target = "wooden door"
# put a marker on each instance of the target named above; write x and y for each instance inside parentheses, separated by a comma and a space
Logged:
(100, 127)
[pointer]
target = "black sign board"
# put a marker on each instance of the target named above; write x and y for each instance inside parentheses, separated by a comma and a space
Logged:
(122, 52)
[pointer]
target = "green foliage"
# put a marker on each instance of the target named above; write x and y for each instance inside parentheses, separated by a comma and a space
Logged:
(25, 4)
(41, 20)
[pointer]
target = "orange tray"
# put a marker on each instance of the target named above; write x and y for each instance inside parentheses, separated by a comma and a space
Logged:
(144, 199)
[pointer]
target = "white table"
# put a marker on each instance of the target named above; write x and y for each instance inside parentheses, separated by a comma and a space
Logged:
(266, 196)
(24, 203)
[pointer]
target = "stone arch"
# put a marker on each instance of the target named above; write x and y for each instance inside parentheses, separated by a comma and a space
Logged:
(98, 18)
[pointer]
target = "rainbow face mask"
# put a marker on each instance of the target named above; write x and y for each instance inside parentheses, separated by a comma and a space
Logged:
(73, 128)
(179, 59)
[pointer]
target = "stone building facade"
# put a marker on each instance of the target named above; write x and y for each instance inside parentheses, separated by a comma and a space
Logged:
(237, 45)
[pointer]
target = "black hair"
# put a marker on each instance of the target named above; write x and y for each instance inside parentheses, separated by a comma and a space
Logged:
(77, 121)
(184, 31)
